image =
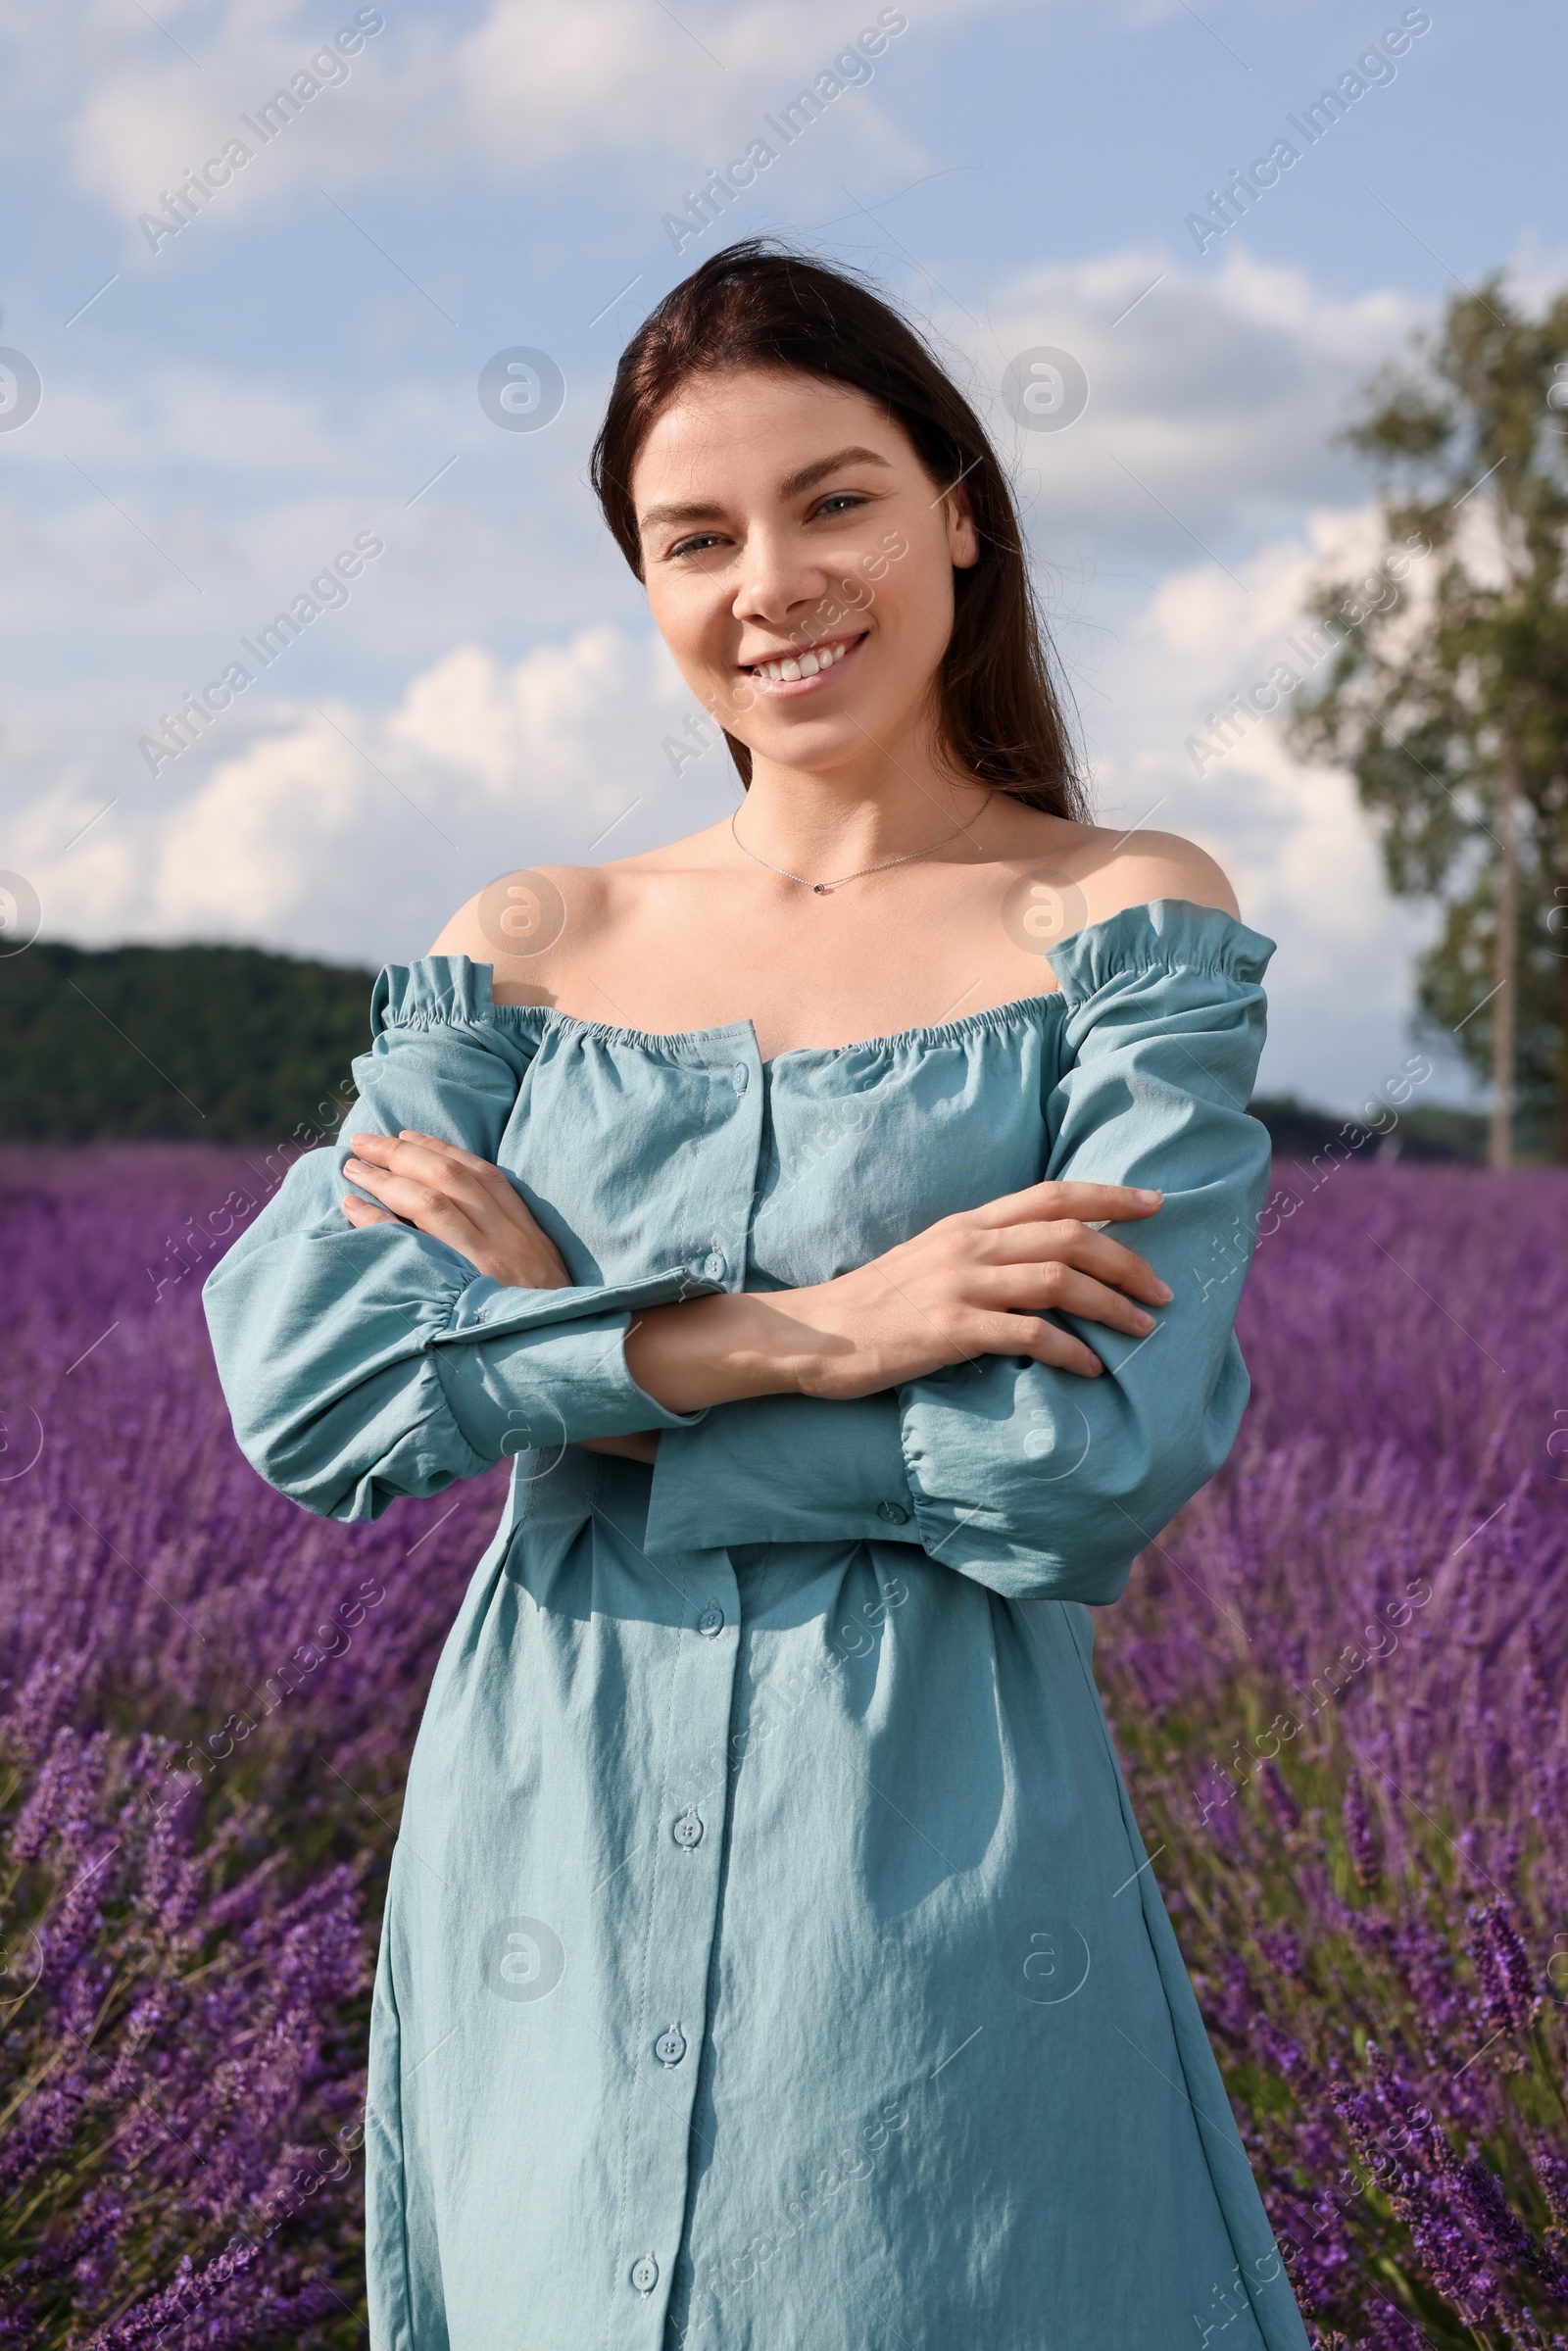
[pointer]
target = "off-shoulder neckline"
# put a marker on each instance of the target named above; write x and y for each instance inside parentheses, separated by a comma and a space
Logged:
(990, 1017)
(940, 1032)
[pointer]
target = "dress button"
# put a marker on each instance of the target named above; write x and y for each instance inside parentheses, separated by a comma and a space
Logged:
(645, 2274)
(687, 1830)
(715, 1265)
(740, 1077)
(893, 1512)
(711, 1620)
(670, 2047)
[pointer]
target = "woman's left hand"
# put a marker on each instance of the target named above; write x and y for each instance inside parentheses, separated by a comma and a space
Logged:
(457, 1197)
(468, 1203)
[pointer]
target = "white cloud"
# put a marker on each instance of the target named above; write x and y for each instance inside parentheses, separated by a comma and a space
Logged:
(607, 86)
(1210, 399)
(353, 835)
(1300, 851)
(464, 759)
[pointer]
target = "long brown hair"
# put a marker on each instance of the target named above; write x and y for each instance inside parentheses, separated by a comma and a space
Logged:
(757, 304)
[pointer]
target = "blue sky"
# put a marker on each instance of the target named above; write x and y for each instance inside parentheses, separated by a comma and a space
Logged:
(297, 369)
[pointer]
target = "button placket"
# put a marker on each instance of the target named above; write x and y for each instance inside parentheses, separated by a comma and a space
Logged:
(730, 1148)
(682, 1914)
(682, 1920)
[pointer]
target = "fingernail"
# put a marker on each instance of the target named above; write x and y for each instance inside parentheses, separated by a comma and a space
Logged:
(1154, 1197)
(1164, 1293)
(1145, 1323)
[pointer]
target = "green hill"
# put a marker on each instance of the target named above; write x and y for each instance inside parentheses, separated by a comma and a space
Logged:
(226, 1043)
(233, 1045)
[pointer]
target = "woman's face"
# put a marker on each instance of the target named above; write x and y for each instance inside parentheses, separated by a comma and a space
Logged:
(798, 562)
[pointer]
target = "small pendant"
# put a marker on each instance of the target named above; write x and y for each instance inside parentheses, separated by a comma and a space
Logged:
(817, 889)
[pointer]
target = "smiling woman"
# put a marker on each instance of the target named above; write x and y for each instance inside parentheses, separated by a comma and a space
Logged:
(768, 1920)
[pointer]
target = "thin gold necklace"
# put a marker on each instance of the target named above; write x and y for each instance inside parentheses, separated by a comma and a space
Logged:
(819, 889)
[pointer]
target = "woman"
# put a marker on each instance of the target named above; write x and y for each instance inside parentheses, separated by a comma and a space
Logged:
(771, 1959)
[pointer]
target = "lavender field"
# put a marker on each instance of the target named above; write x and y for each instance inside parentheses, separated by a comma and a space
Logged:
(1338, 1683)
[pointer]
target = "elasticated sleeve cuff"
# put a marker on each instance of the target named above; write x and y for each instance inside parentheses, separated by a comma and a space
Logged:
(529, 1370)
(783, 1469)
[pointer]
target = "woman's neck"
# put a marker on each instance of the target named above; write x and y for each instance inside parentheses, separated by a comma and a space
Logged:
(806, 821)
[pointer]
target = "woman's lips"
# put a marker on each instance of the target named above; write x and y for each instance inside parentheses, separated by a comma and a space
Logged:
(827, 658)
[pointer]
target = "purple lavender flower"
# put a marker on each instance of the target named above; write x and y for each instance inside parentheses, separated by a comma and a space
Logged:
(1379, 1575)
(1357, 1823)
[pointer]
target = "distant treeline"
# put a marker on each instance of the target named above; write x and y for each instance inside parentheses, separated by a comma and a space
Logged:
(232, 1044)
(220, 1043)
(1416, 1132)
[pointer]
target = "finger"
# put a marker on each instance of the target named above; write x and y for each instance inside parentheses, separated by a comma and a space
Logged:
(360, 1211)
(1043, 1341)
(440, 1175)
(449, 1151)
(1062, 1290)
(433, 1212)
(1089, 1203)
(476, 1183)
(405, 1154)
(462, 1174)
(1081, 1246)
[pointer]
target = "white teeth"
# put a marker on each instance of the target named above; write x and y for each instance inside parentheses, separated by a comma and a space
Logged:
(807, 665)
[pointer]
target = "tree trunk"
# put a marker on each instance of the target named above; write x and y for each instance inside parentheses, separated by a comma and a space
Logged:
(1505, 968)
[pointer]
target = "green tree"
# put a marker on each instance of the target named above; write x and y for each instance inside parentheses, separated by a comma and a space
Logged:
(220, 1043)
(1448, 698)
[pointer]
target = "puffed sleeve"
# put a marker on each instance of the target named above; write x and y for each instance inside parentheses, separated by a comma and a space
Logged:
(364, 1364)
(1038, 1482)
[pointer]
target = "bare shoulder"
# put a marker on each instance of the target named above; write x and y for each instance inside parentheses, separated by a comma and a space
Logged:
(521, 912)
(525, 925)
(545, 929)
(1134, 868)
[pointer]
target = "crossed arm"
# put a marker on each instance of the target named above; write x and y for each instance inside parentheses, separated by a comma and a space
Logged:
(972, 1285)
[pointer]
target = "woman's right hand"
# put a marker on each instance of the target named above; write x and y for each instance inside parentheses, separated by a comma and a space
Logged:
(974, 1284)
(457, 1197)
(977, 1284)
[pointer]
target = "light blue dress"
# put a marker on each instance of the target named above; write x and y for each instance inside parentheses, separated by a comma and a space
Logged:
(771, 1961)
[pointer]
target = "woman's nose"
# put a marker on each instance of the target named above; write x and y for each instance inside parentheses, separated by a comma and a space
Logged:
(779, 579)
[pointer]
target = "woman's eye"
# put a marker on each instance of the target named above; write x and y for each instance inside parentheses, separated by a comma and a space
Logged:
(840, 502)
(697, 546)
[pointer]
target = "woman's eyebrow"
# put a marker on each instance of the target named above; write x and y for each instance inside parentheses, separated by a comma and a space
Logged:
(810, 476)
(681, 514)
(797, 483)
